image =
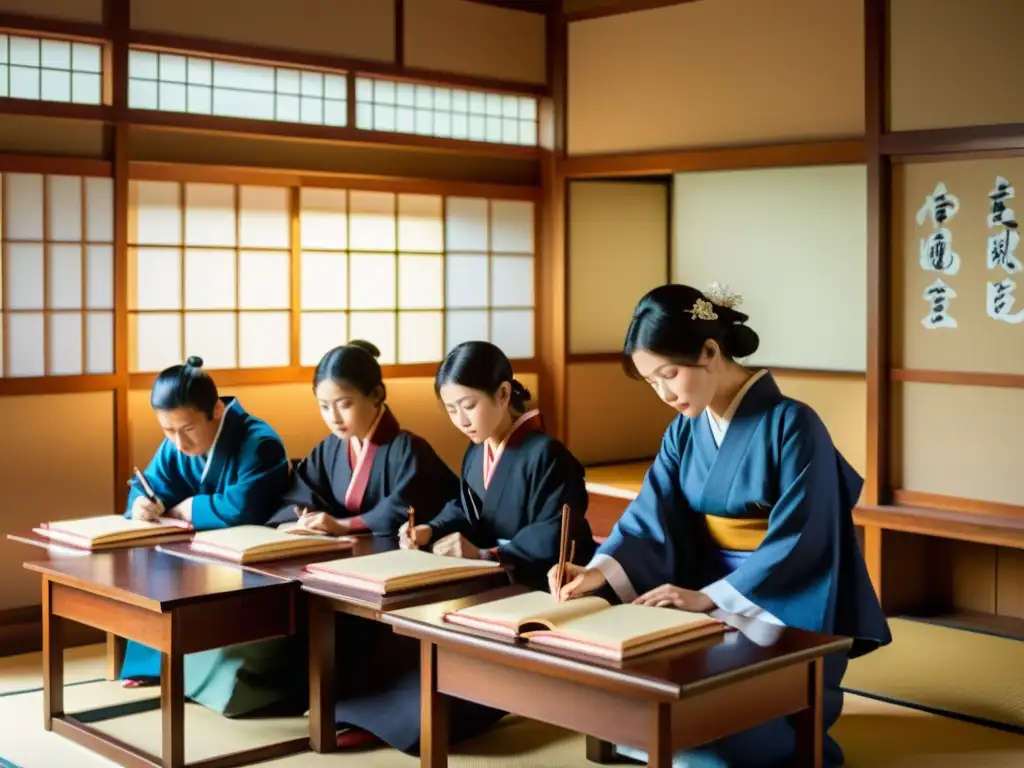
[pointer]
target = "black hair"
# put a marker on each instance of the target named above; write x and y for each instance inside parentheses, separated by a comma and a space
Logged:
(354, 364)
(676, 320)
(185, 386)
(481, 365)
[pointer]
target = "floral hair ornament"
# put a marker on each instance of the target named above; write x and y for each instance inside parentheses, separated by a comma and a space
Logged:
(723, 297)
(702, 310)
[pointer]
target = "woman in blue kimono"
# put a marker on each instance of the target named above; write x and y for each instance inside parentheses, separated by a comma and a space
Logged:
(218, 466)
(515, 477)
(747, 507)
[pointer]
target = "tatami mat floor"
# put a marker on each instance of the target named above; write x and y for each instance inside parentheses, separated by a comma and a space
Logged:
(873, 733)
(982, 675)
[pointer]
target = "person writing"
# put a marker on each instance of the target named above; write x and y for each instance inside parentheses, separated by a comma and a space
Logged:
(746, 509)
(218, 466)
(515, 477)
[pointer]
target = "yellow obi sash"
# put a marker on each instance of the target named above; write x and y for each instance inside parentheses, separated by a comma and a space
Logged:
(739, 534)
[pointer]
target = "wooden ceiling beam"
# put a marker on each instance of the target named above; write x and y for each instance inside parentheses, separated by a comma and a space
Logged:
(619, 7)
(527, 6)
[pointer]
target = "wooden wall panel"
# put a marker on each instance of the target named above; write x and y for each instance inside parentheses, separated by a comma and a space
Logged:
(715, 73)
(960, 441)
(28, 135)
(949, 66)
(1010, 583)
(362, 29)
(291, 410)
(612, 417)
(56, 462)
(618, 250)
(474, 39)
(254, 152)
(978, 342)
(67, 10)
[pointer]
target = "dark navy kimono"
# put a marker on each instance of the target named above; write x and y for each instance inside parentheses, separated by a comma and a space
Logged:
(238, 484)
(404, 471)
(517, 516)
(520, 525)
(775, 463)
(378, 671)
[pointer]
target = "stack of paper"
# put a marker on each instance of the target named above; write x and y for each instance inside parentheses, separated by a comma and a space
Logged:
(111, 531)
(257, 543)
(399, 570)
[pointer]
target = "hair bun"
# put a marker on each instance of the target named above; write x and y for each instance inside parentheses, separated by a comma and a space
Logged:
(520, 391)
(194, 361)
(366, 346)
(740, 340)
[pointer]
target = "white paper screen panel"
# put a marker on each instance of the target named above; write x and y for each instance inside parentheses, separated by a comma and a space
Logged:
(57, 274)
(210, 272)
(793, 242)
(211, 275)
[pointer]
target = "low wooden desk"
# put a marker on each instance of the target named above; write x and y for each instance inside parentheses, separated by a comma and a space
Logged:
(662, 702)
(52, 549)
(174, 605)
(326, 599)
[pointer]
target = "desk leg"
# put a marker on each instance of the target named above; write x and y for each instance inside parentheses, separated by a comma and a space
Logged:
(433, 712)
(323, 732)
(115, 655)
(53, 660)
(659, 753)
(172, 701)
(602, 752)
(809, 736)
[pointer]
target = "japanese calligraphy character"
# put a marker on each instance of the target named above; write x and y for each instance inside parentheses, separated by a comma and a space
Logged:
(1000, 213)
(940, 204)
(938, 295)
(937, 254)
(1001, 249)
(1000, 300)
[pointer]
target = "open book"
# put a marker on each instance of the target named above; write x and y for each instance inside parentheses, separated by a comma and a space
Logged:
(587, 625)
(257, 543)
(110, 531)
(401, 569)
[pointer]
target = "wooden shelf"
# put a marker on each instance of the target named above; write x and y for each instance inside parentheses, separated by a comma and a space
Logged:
(999, 530)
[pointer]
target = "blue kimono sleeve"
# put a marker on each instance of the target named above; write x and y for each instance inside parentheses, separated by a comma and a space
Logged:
(644, 546)
(163, 477)
(794, 573)
(253, 497)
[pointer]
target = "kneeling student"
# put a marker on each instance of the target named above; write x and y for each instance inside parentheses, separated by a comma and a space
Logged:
(515, 477)
(217, 467)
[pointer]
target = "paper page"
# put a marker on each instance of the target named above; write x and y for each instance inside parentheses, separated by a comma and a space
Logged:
(241, 538)
(105, 526)
(624, 625)
(533, 606)
(399, 564)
